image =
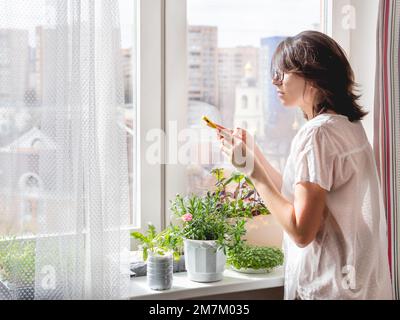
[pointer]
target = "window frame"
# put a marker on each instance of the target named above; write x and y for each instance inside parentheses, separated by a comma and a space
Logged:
(161, 47)
(150, 111)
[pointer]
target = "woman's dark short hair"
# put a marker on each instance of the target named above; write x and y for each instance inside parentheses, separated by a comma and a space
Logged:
(323, 63)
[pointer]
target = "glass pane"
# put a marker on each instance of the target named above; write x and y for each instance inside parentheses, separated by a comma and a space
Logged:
(230, 45)
(36, 50)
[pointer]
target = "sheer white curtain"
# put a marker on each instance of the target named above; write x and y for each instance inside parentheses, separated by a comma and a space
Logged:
(63, 151)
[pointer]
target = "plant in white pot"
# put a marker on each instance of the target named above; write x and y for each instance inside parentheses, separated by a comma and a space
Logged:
(207, 234)
(160, 250)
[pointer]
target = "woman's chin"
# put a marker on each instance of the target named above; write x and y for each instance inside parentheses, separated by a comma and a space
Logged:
(286, 103)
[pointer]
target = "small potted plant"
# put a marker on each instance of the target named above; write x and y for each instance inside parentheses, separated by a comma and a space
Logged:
(17, 269)
(159, 250)
(207, 234)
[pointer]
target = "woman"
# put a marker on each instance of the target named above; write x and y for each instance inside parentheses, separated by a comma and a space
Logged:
(328, 200)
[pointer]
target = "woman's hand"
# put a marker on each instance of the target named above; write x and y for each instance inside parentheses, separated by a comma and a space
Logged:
(239, 147)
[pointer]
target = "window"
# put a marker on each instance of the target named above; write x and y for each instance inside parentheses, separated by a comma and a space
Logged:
(239, 38)
(244, 102)
(27, 55)
(30, 182)
(37, 143)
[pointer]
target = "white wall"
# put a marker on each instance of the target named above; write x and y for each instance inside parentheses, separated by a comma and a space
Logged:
(363, 55)
(354, 26)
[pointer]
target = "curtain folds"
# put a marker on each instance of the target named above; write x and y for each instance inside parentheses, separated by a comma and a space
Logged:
(387, 125)
(64, 182)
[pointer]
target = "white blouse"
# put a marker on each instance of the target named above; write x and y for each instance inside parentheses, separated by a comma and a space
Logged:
(349, 257)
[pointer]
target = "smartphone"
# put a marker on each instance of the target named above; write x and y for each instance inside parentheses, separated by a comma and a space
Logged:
(210, 123)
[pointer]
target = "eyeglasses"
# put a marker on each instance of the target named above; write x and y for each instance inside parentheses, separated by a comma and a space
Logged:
(278, 76)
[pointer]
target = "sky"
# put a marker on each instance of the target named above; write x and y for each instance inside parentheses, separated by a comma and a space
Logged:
(244, 22)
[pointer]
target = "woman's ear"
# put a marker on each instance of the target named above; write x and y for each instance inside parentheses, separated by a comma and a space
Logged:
(312, 86)
(313, 89)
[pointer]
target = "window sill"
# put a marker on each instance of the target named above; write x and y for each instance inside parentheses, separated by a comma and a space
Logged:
(183, 288)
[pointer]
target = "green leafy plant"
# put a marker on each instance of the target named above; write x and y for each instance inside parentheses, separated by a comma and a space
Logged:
(220, 214)
(253, 257)
(160, 243)
(239, 198)
(17, 261)
(243, 200)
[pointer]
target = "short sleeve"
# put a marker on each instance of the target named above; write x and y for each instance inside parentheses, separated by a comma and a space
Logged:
(314, 159)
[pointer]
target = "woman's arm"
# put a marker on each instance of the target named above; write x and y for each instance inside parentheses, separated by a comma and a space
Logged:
(302, 219)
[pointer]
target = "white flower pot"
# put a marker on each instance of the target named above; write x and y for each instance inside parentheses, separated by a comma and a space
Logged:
(204, 263)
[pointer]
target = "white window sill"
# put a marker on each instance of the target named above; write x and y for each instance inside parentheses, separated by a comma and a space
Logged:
(183, 288)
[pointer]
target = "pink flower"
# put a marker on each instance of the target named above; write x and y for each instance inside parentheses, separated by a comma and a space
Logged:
(187, 217)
